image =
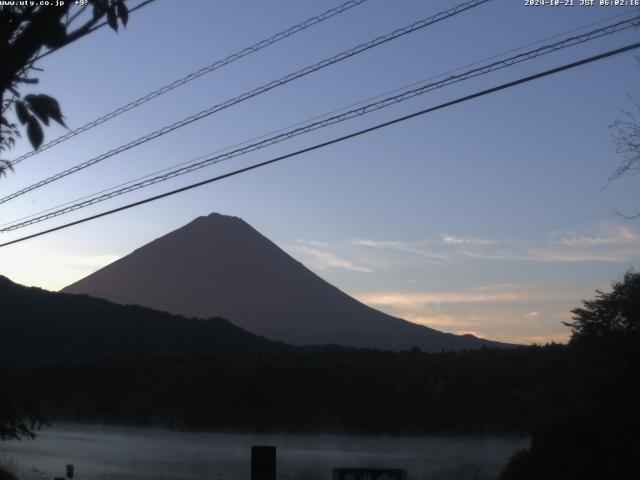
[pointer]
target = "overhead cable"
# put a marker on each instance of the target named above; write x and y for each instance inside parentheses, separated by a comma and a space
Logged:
(192, 76)
(312, 126)
(358, 133)
(250, 94)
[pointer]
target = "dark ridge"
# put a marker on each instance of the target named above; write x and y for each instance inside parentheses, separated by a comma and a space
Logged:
(43, 326)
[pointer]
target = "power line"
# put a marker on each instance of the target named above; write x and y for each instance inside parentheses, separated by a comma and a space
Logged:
(280, 130)
(192, 76)
(196, 165)
(31, 63)
(337, 140)
(257, 91)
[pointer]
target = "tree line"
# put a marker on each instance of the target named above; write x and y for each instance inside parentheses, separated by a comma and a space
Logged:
(579, 403)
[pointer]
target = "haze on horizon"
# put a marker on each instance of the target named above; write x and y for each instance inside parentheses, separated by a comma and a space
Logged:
(487, 218)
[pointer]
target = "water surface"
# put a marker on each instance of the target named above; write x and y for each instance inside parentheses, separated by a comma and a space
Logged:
(115, 453)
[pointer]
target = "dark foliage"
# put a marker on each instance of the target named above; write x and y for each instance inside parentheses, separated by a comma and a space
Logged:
(19, 418)
(580, 402)
(310, 390)
(90, 360)
(626, 137)
(5, 166)
(609, 315)
(42, 326)
(595, 433)
(28, 29)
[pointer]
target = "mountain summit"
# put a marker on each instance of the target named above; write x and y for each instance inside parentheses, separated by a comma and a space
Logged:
(220, 266)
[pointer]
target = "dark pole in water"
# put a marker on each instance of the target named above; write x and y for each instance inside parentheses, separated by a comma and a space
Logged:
(263, 463)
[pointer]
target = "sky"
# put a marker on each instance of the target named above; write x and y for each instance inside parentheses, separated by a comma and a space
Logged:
(491, 217)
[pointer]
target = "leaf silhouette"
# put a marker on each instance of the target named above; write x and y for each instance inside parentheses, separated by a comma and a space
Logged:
(34, 132)
(123, 12)
(98, 8)
(112, 19)
(55, 35)
(23, 114)
(38, 107)
(5, 166)
(45, 106)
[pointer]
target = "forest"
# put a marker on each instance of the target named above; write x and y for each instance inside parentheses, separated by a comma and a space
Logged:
(366, 391)
(579, 402)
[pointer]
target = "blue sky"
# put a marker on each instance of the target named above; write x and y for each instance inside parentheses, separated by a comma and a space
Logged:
(487, 217)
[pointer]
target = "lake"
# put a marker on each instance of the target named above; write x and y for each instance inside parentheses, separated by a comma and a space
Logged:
(115, 453)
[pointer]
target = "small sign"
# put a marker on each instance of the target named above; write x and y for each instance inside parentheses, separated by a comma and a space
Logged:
(369, 474)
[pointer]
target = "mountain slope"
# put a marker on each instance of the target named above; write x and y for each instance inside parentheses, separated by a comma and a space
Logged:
(219, 265)
(37, 325)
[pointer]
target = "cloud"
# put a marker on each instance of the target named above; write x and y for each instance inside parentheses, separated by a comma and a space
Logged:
(446, 239)
(322, 259)
(440, 321)
(414, 248)
(85, 262)
(413, 301)
(610, 255)
(377, 243)
(499, 326)
(558, 255)
(508, 312)
(603, 242)
(601, 234)
(499, 255)
(455, 240)
(314, 243)
(501, 286)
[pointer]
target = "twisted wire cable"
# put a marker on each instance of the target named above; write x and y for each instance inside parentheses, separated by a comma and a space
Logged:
(357, 112)
(192, 76)
(257, 91)
(334, 141)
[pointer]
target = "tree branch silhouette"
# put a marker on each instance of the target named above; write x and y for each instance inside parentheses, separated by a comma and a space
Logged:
(25, 30)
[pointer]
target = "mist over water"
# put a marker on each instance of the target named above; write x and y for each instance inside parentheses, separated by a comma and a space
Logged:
(115, 453)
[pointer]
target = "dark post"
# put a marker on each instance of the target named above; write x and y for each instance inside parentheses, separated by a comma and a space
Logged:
(263, 463)
(69, 471)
